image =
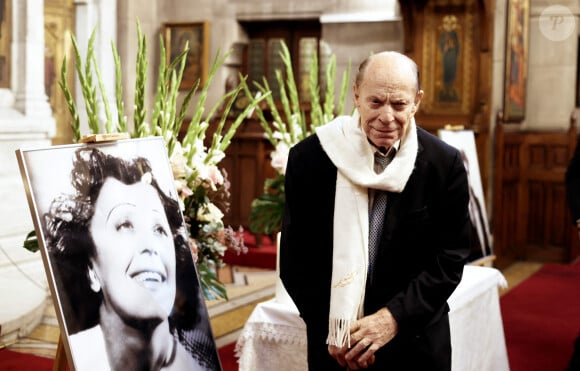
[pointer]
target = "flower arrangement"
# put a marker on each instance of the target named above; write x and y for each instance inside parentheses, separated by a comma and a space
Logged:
(203, 187)
(288, 128)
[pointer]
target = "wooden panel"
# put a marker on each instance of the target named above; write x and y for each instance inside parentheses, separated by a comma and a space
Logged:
(505, 242)
(247, 162)
(511, 160)
(558, 206)
(534, 227)
(531, 217)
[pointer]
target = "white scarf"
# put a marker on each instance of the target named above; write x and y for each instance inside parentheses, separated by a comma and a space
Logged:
(346, 144)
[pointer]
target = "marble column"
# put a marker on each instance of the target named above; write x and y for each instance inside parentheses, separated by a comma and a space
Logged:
(28, 66)
(99, 16)
(25, 121)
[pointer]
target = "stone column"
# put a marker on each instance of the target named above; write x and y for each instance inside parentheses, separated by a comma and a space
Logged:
(99, 16)
(28, 50)
(25, 121)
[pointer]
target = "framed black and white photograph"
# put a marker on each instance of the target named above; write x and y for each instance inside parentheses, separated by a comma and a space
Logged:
(464, 141)
(117, 256)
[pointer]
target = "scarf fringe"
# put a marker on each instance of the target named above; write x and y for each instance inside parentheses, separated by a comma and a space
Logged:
(338, 332)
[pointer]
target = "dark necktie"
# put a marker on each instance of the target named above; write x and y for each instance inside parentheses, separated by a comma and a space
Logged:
(377, 215)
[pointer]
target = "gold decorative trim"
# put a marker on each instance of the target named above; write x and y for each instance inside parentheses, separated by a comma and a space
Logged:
(346, 280)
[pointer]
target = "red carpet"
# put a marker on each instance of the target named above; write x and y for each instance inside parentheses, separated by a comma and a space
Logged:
(15, 361)
(263, 256)
(227, 357)
(541, 318)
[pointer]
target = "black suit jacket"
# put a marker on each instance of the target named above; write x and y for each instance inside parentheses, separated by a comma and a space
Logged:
(424, 246)
(573, 184)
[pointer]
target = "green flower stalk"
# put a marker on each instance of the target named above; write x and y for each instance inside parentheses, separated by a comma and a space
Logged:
(202, 187)
(121, 118)
(75, 125)
(87, 88)
(108, 118)
(140, 84)
(287, 130)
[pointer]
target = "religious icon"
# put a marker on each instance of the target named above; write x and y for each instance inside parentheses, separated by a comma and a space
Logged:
(196, 37)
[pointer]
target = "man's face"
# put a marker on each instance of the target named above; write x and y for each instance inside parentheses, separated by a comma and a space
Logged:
(387, 98)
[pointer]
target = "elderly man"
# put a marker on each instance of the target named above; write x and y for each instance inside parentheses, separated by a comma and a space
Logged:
(370, 256)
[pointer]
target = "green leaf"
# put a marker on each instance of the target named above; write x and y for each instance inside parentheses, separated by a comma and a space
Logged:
(140, 81)
(72, 107)
(108, 118)
(211, 286)
(86, 82)
(268, 209)
(121, 118)
(31, 242)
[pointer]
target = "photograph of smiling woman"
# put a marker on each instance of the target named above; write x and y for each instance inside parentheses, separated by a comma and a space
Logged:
(122, 266)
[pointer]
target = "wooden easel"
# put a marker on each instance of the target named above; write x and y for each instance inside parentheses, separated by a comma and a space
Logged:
(97, 138)
(60, 360)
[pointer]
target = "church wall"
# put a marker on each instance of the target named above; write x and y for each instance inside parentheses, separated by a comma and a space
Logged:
(552, 64)
(530, 218)
(353, 29)
(553, 53)
(25, 121)
(348, 25)
(146, 12)
(352, 33)
(18, 130)
(345, 41)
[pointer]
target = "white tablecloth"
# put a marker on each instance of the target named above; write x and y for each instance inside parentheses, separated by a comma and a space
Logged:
(477, 338)
(274, 337)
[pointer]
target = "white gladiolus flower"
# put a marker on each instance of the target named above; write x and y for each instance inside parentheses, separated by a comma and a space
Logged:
(209, 213)
(216, 157)
(215, 175)
(202, 171)
(280, 157)
(182, 188)
(178, 163)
